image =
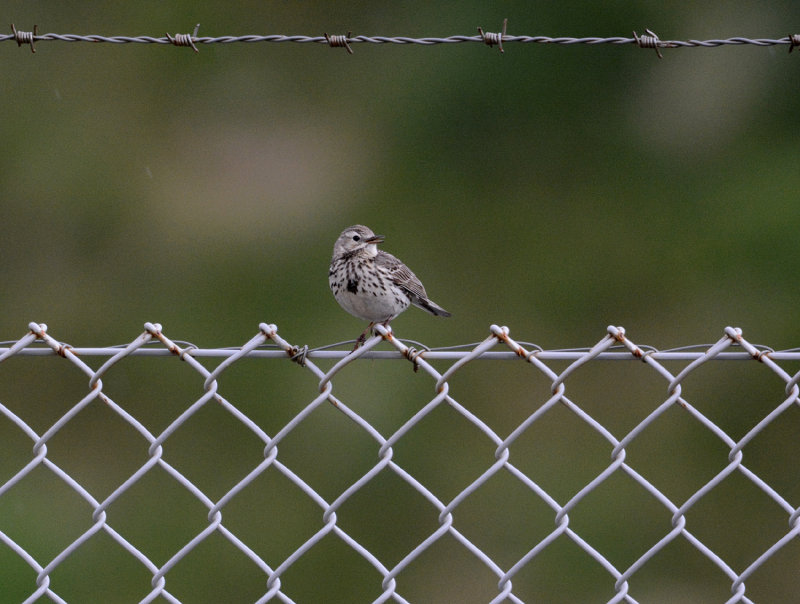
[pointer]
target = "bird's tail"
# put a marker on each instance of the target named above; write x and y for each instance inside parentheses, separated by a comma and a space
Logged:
(431, 307)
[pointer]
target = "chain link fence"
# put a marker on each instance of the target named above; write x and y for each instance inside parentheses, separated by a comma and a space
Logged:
(492, 472)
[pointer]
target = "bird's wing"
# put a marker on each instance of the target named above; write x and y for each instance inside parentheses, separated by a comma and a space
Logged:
(401, 275)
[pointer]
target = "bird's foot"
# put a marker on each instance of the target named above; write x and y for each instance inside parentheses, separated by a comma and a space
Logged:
(363, 337)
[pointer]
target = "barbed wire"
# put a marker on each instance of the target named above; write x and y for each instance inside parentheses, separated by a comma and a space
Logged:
(647, 40)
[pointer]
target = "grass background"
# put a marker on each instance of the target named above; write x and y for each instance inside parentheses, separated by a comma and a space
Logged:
(552, 189)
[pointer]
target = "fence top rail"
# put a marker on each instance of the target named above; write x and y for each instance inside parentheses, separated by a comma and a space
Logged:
(432, 354)
(615, 346)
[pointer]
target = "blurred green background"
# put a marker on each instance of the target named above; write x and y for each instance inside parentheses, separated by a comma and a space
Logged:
(552, 189)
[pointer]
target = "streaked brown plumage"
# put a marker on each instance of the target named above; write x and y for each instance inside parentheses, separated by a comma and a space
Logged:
(372, 284)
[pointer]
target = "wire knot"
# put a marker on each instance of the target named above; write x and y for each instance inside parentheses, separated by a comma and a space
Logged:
(187, 352)
(298, 354)
(412, 354)
(794, 40)
(491, 38)
(185, 39)
(651, 40)
(340, 41)
(25, 37)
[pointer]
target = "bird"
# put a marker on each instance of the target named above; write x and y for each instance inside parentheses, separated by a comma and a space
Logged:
(372, 284)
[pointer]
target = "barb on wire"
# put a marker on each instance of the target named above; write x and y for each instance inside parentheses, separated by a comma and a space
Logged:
(185, 39)
(339, 41)
(490, 38)
(27, 37)
(651, 40)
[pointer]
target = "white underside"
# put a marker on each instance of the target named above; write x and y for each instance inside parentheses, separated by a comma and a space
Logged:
(369, 308)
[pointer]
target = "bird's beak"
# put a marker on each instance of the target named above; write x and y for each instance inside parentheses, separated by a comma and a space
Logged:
(376, 239)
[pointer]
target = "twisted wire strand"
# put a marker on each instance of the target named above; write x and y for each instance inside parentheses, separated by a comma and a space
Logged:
(791, 40)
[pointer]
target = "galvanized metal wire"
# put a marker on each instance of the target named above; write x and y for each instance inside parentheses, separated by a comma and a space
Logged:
(153, 343)
(646, 40)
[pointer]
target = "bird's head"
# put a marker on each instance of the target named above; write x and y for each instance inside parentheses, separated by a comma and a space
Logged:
(357, 238)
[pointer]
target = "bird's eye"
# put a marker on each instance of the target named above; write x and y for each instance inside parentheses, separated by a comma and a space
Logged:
(356, 238)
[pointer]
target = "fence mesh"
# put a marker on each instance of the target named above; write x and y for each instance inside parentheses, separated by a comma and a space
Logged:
(495, 472)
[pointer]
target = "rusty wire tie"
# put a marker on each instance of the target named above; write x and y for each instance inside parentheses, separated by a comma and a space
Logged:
(651, 40)
(298, 354)
(491, 38)
(340, 41)
(185, 39)
(794, 40)
(25, 37)
(412, 354)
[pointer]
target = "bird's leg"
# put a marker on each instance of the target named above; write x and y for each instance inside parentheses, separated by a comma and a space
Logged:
(363, 337)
